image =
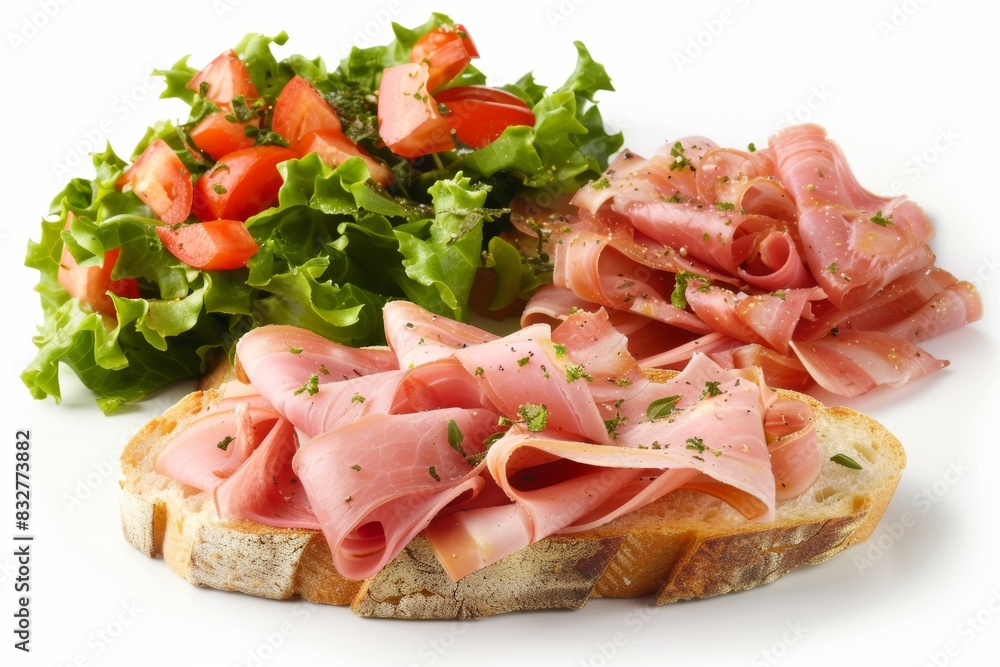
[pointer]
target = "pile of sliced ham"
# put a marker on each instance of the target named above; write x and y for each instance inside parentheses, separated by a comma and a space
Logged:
(774, 258)
(485, 444)
(742, 269)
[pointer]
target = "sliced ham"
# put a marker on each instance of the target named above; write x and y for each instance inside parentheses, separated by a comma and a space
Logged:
(856, 243)
(712, 439)
(216, 444)
(377, 481)
(265, 489)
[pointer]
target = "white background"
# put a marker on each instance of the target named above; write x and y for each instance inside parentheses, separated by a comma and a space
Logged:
(907, 88)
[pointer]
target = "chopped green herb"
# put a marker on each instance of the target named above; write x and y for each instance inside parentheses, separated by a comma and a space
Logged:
(832, 268)
(751, 147)
(535, 416)
(455, 437)
(662, 407)
(433, 473)
(323, 369)
(293, 349)
(357, 398)
(311, 386)
(356, 468)
(882, 221)
(560, 349)
(779, 293)
(576, 372)
(600, 184)
(711, 389)
(846, 461)
(725, 206)
(480, 372)
(523, 361)
(675, 198)
(680, 160)
(696, 443)
(224, 443)
(219, 189)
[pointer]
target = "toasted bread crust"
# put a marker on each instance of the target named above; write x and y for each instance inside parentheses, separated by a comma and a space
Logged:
(684, 546)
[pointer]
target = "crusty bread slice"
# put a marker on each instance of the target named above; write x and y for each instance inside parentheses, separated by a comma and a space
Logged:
(687, 545)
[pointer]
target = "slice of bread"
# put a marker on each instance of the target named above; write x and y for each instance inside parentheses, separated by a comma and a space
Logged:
(687, 545)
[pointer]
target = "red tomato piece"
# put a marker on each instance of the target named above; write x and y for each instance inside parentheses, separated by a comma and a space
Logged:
(227, 77)
(447, 50)
(478, 114)
(214, 245)
(217, 136)
(92, 284)
(300, 109)
(485, 93)
(241, 184)
(161, 181)
(409, 121)
(334, 148)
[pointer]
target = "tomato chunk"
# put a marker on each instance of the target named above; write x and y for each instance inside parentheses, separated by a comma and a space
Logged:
(214, 245)
(217, 136)
(227, 77)
(334, 148)
(447, 50)
(408, 118)
(161, 181)
(92, 285)
(241, 184)
(300, 109)
(479, 114)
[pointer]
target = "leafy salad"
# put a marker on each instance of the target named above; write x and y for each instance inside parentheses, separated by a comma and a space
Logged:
(301, 195)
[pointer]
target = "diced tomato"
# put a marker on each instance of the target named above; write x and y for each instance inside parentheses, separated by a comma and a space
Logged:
(485, 93)
(217, 136)
(161, 181)
(214, 245)
(91, 284)
(241, 184)
(479, 114)
(227, 77)
(334, 148)
(300, 109)
(447, 50)
(409, 121)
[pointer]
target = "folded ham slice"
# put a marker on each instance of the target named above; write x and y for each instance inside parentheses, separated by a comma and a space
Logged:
(757, 257)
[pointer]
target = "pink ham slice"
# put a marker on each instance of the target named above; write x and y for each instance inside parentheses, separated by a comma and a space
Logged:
(526, 368)
(417, 336)
(216, 444)
(314, 382)
(855, 242)
(714, 441)
(265, 489)
(377, 481)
